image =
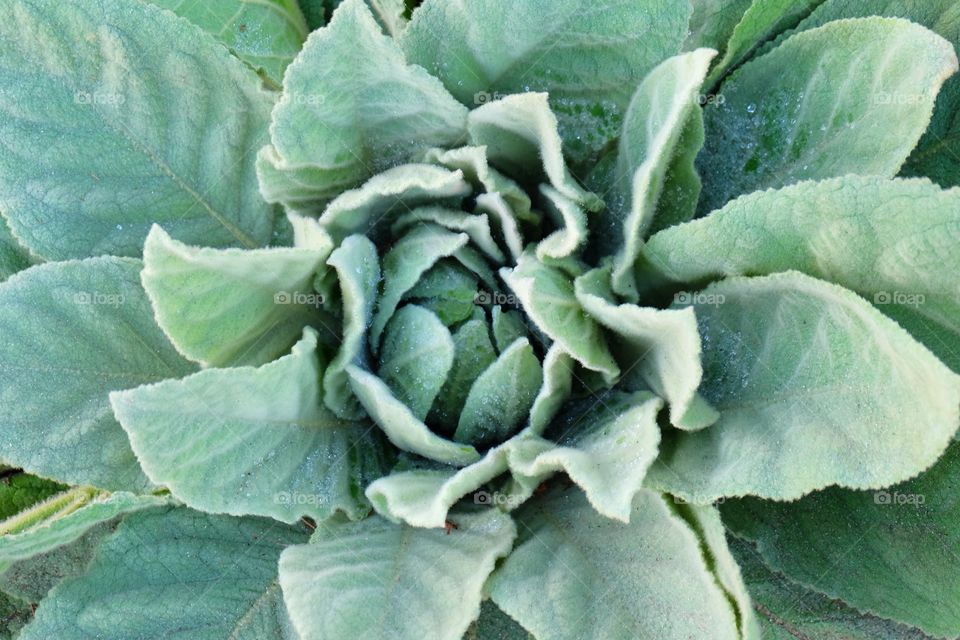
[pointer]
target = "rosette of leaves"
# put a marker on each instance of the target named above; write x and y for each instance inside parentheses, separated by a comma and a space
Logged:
(462, 323)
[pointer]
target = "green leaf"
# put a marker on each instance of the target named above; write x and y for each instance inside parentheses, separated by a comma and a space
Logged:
(500, 399)
(661, 109)
(713, 22)
(14, 614)
(175, 573)
(521, 137)
(333, 129)
(267, 35)
(71, 333)
(248, 441)
(21, 490)
(494, 624)
(587, 55)
(578, 575)
(893, 242)
(814, 387)
(371, 208)
(661, 346)
(851, 545)
(833, 114)
(417, 355)
(379, 580)
(229, 306)
(505, 221)
(403, 428)
(476, 226)
(605, 445)
(507, 327)
(68, 517)
(762, 20)
(473, 354)
(358, 271)
(547, 296)
(449, 290)
(557, 382)
(128, 116)
(406, 262)
(682, 185)
(13, 257)
(571, 223)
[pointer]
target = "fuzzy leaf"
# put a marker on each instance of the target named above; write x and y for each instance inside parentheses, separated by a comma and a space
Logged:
(473, 354)
(547, 296)
(713, 22)
(71, 333)
(267, 35)
(857, 97)
(228, 306)
(893, 242)
(571, 223)
(815, 388)
(579, 576)
(13, 257)
(335, 129)
(248, 441)
(175, 573)
(379, 580)
(587, 55)
(128, 116)
(500, 399)
(417, 355)
(21, 490)
(851, 545)
(663, 106)
(476, 226)
(557, 382)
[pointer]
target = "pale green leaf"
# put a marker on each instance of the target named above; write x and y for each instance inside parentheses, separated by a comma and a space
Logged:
(762, 20)
(788, 611)
(175, 574)
(580, 576)
(371, 208)
(605, 445)
(334, 128)
(857, 98)
(571, 223)
(70, 333)
(376, 579)
(815, 388)
(507, 327)
(661, 109)
(661, 346)
(504, 221)
(548, 299)
(449, 290)
(557, 382)
(116, 117)
(246, 441)
(358, 271)
(403, 428)
(406, 262)
(67, 525)
(500, 400)
(417, 356)
(473, 354)
(476, 226)
(588, 55)
(682, 185)
(229, 306)
(853, 545)
(266, 34)
(520, 134)
(713, 22)
(893, 242)
(308, 234)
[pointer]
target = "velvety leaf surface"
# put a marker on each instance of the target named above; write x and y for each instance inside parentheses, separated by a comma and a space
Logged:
(380, 580)
(587, 54)
(893, 242)
(578, 575)
(175, 574)
(21, 490)
(856, 99)
(70, 333)
(815, 388)
(118, 115)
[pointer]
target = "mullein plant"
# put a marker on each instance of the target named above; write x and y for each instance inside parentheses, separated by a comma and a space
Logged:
(552, 319)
